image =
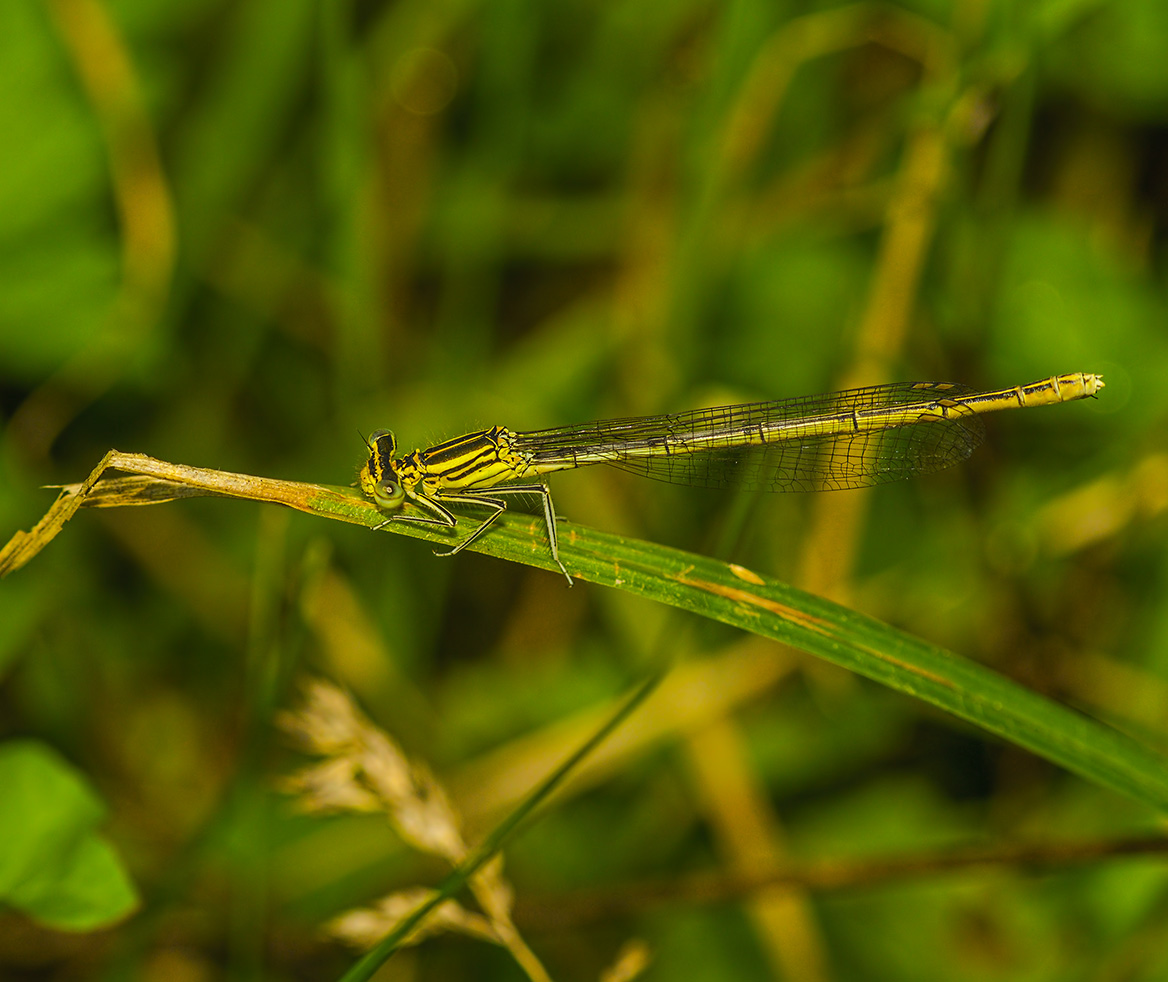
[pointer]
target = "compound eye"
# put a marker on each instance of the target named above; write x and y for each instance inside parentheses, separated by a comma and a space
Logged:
(388, 494)
(383, 441)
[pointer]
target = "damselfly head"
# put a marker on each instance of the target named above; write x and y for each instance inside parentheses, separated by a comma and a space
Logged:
(378, 478)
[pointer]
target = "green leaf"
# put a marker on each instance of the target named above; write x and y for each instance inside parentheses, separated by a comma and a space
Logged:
(53, 865)
(862, 644)
(704, 586)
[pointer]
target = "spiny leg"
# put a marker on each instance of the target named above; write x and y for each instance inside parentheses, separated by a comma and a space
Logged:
(415, 520)
(490, 501)
(438, 515)
(483, 501)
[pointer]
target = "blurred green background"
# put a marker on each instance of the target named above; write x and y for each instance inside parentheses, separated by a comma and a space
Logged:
(239, 234)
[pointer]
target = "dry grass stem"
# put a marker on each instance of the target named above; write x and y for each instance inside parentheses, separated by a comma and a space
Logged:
(364, 770)
(364, 927)
(631, 962)
(156, 481)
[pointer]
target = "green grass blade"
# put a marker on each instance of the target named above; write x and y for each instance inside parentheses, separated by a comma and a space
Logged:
(704, 586)
(855, 641)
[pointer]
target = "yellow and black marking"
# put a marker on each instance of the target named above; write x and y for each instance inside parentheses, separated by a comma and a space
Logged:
(451, 473)
(848, 439)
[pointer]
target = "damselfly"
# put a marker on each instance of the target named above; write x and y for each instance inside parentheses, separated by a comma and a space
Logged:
(847, 439)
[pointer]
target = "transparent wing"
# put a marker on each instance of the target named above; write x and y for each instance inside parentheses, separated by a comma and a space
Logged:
(771, 446)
